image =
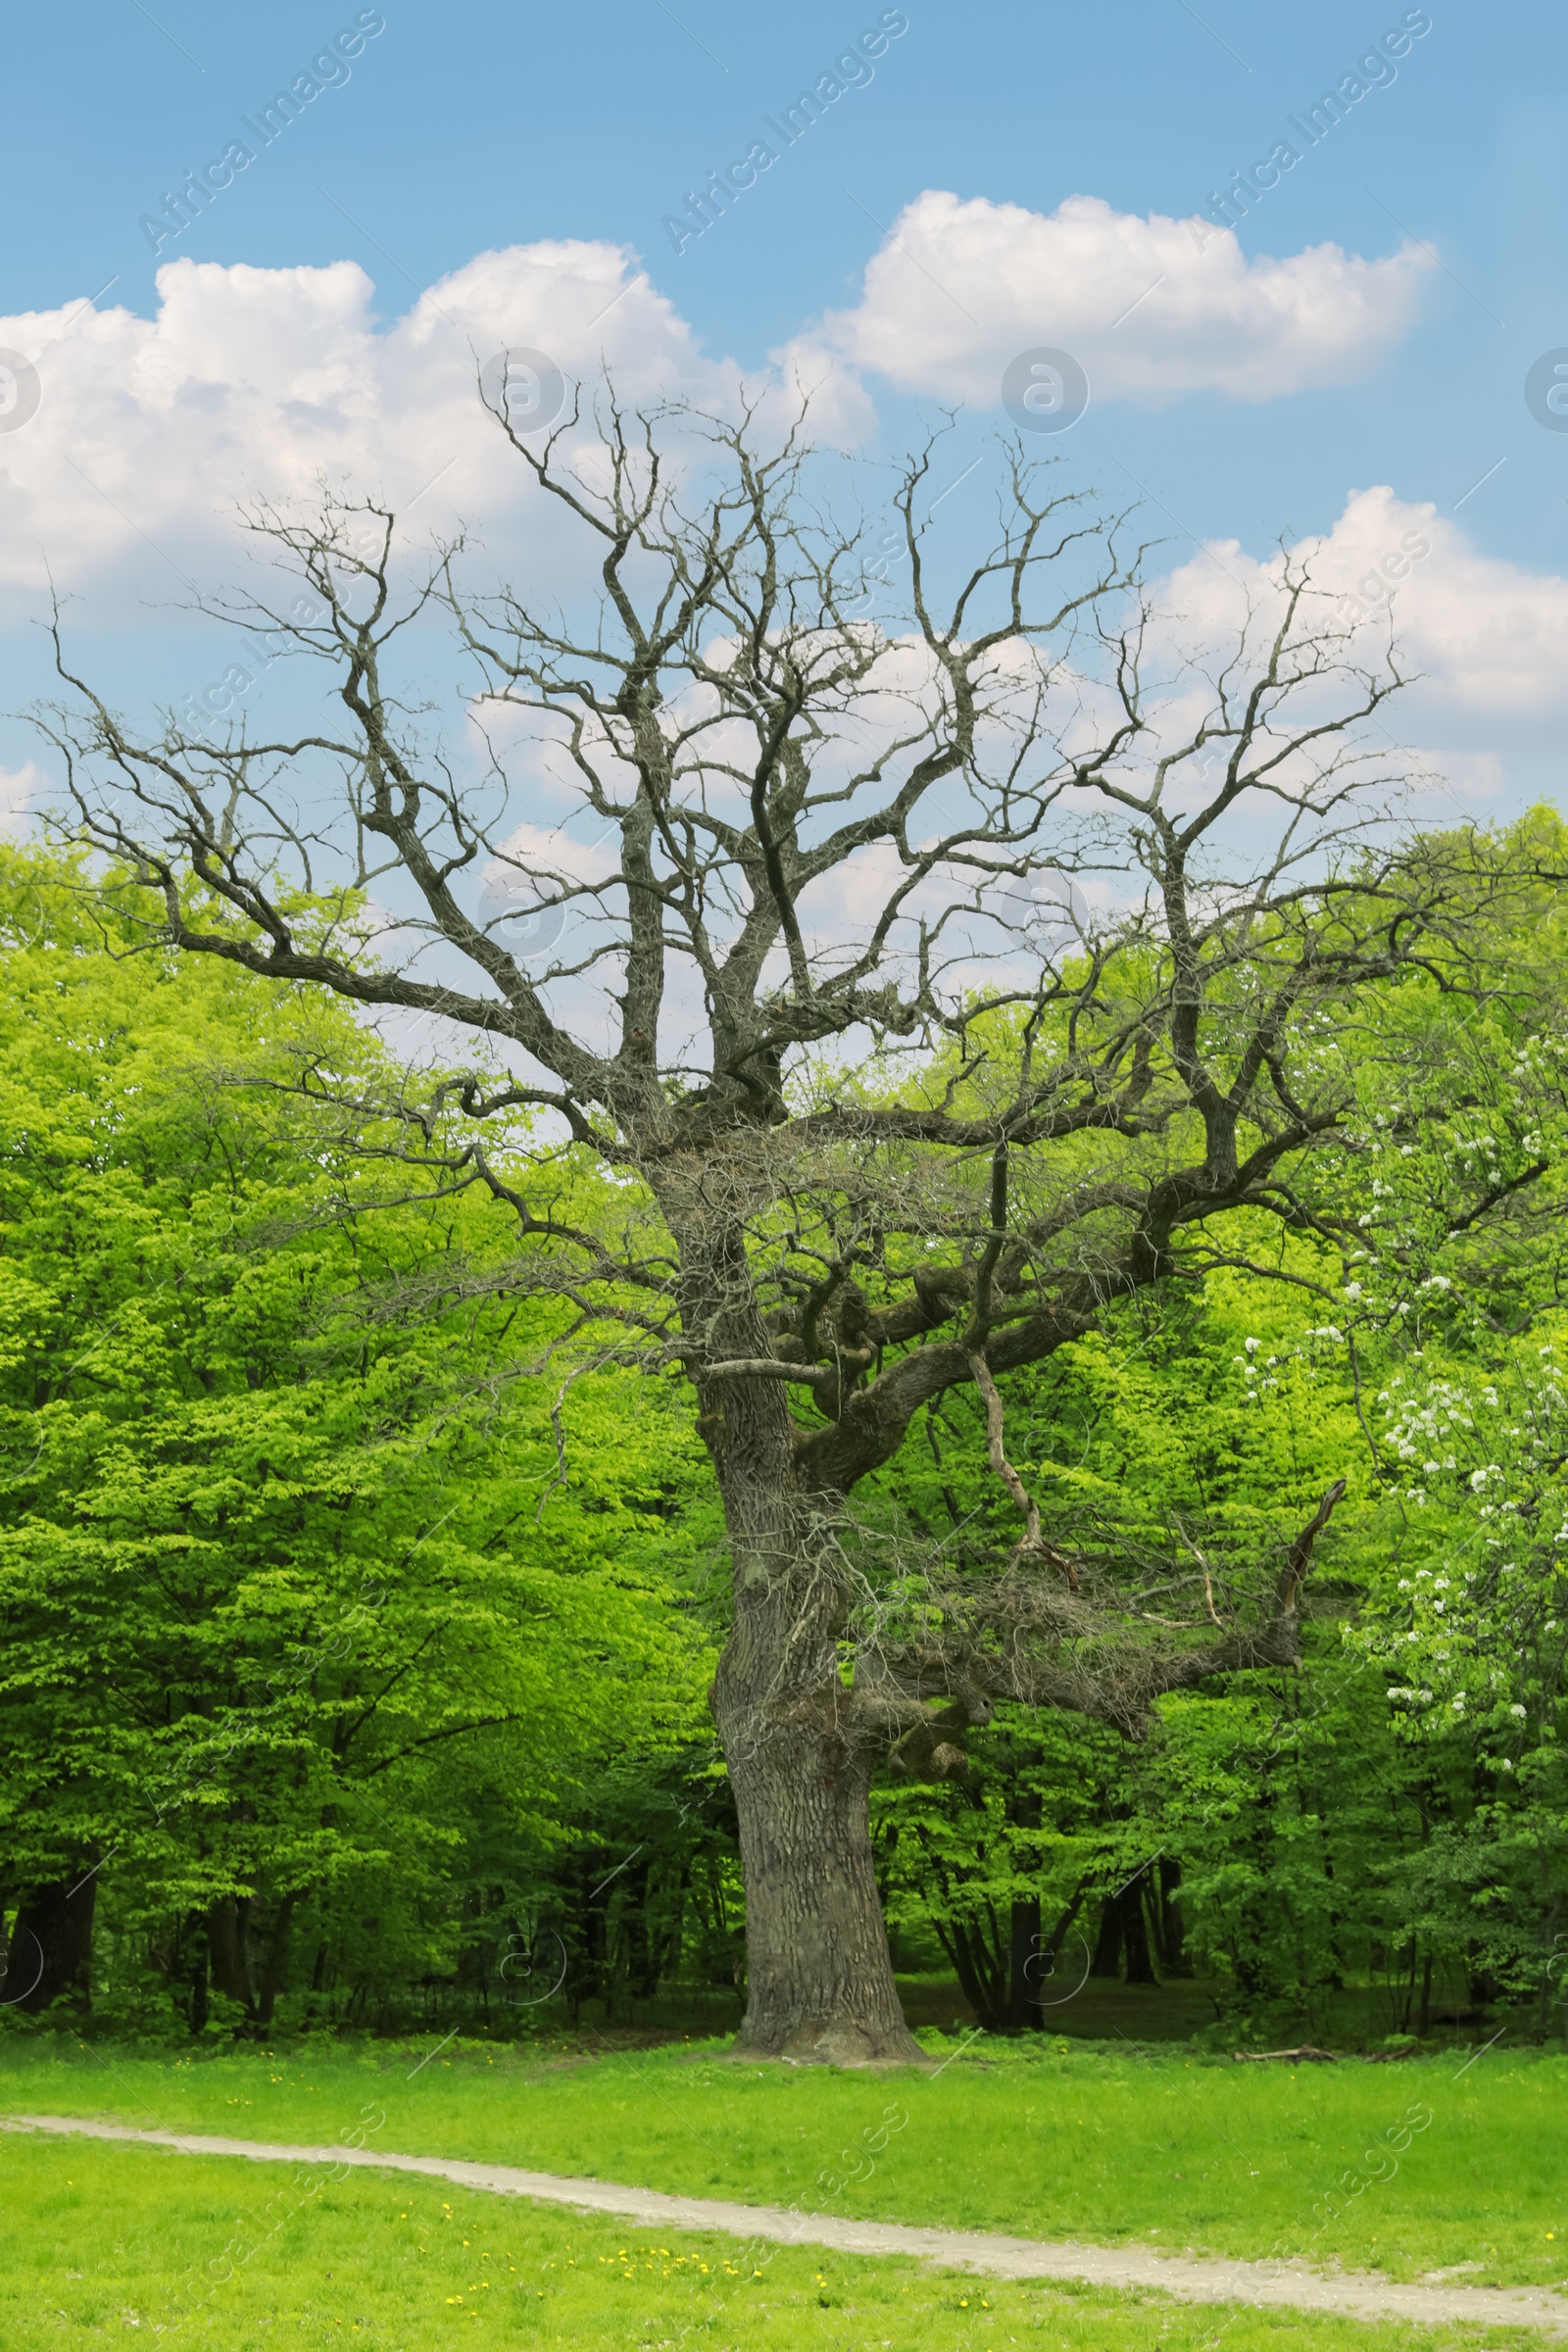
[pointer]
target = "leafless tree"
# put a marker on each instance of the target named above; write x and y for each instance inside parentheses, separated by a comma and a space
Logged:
(936, 979)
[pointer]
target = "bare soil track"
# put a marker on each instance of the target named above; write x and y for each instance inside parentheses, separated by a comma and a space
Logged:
(1352, 2294)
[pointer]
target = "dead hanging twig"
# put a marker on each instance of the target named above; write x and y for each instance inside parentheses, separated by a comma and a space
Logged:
(558, 1428)
(1031, 1544)
(1301, 1554)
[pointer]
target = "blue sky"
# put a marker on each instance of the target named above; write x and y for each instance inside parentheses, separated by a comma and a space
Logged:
(459, 133)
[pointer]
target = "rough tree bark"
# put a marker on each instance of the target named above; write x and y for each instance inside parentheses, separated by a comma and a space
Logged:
(837, 842)
(819, 1977)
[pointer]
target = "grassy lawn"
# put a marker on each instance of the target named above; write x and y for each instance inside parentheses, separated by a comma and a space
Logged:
(214, 2251)
(1163, 2146)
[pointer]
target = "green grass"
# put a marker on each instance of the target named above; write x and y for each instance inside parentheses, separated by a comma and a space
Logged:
(1166, 2148)
(117, 2242)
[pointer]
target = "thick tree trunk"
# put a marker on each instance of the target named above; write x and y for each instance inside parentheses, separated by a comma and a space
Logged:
(819, 1976)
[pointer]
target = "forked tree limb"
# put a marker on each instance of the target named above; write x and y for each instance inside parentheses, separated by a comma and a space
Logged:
(1031, 1544)
(1301, 1554)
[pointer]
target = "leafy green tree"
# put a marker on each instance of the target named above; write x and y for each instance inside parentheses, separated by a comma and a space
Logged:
(300, 1624)
(811, 841)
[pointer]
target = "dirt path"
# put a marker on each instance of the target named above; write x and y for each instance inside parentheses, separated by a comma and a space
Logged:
(1355, 2294)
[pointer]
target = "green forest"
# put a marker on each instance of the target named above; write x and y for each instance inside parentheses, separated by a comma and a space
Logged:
(360, 1617)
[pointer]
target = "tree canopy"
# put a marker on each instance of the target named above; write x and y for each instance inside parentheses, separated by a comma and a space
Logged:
(303, 1626)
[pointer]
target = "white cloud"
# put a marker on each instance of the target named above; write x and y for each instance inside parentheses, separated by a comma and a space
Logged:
(1151, 307)
(250, 382)
(533, 857)
(150, 433)
(1485, 635)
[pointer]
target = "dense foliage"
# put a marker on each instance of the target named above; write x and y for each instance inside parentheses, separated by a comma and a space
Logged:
(317, 1646)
